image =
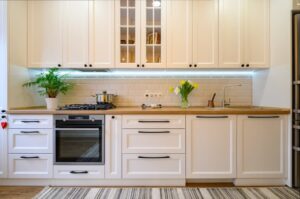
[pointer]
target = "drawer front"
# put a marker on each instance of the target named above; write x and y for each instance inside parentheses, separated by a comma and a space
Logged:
(154, 166)
(153, 141)
(30, 165)
(30, 141)
(30, 121)
(79, 172)
(154, 121)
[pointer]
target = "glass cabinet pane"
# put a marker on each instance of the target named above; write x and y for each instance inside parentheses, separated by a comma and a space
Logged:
(153, 31)
(127, 31)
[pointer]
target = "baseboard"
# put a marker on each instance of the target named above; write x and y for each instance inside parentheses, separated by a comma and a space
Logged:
(209, 180)
(259, 182)
(81, 182)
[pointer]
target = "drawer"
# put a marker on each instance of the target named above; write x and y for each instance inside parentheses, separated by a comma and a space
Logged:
(153, 121)
(30, 165)
(79, 172)
(154, 166)
(30, 121)
(153, 140)
(30, 141)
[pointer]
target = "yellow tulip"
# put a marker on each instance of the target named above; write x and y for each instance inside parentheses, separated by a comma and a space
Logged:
(171, 89)
(182, 82)
(196, 85)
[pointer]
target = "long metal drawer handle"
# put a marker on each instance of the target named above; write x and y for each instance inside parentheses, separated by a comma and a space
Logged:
(154, 132)
(30, 132)
(158, 121)
(262, 117)
(31, 121)
(296, 127)
(296, 148)
(79, 172)
(160, 157)
(30, 157)
(211, 117)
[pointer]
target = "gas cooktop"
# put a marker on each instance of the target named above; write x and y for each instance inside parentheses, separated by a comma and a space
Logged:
(102, 106)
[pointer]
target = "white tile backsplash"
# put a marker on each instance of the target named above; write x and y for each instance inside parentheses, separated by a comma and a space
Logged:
(131, 91)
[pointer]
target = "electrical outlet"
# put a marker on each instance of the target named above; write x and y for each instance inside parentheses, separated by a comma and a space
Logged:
(152, 94)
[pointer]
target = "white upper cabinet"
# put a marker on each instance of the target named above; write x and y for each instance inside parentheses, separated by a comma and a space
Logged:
(127, 27)
(153, 33)
(76, 34)
(257, 33)
(101, 35)
(205, 33)
(45, 33)
(211, 146)
(231, 49)
(179, 34)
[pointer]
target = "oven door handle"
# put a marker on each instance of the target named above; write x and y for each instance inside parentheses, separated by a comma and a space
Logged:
(79, 172)
(77, 129)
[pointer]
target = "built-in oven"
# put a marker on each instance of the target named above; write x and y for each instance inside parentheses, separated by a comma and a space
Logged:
(79, 140)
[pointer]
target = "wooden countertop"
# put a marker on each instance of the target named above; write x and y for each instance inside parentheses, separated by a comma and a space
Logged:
(241, 110)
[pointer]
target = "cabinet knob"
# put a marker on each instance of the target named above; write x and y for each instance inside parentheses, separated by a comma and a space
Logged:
(195, 65)
(58, 65)
(143, 65)
(243, 65)
(190, 65)
(85, 65)
(3, 111)
(91, 65)
(247, 65)
(138, 65)
(112, 117)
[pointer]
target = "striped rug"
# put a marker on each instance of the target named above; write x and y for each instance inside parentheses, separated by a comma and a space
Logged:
(168, 193)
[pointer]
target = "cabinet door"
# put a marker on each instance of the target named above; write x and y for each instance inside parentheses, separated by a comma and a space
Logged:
(127, 33)
(261, 147)
(257, 32)
(3, 153)
(45, 33)
(113, 139)
(231, 49)
(101, 35)
(75, 34)
(205, 33)
(179, 34)
(211, 146)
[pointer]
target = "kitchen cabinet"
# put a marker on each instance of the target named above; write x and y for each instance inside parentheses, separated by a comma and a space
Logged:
(101, 34)
(113, 144)
(153, 166)
(211, 146)
(192, 28)
(262, 147)
(78, 172)
(257, 33)
(45, 33)
(140, 33)
(76, 34)
(3, 153)
(244, 35)
(30, 165)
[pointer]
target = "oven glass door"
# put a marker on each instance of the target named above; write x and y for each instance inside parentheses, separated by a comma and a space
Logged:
(79, 146)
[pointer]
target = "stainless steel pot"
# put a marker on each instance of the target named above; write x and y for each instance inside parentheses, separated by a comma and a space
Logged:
(104, 98)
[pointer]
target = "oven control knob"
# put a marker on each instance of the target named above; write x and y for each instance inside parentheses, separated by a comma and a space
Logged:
(93, 119)
(64, 119)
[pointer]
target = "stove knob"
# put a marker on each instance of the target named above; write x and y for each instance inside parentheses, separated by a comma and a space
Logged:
(64, 119)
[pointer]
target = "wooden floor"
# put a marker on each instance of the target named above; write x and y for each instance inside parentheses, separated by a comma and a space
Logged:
(30, 192)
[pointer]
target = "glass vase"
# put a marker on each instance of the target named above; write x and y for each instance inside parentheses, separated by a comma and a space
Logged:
(184, 102)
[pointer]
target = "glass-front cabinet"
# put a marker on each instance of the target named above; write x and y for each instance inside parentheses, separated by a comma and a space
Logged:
(141, 33)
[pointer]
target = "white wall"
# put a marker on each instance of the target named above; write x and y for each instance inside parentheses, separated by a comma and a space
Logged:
(273, 87)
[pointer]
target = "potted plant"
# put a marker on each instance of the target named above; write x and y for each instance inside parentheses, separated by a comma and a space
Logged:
(50, 84)
(184, 89)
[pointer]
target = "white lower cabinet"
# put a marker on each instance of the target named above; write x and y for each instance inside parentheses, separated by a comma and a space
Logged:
(79, 172)
(211, 146)
(153, 141)
(30, 141)
(154, 166)
(262, 147)
(30, 165)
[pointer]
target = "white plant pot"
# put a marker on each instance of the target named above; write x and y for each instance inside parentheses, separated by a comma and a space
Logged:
(52, 103)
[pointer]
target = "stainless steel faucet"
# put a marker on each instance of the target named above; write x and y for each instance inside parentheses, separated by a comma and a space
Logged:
(224, 102)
